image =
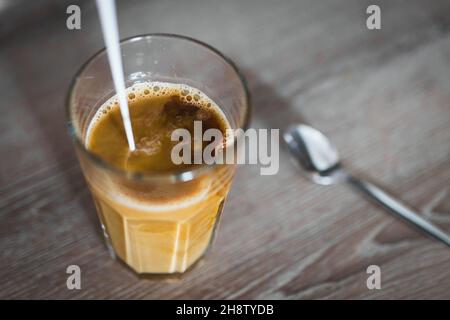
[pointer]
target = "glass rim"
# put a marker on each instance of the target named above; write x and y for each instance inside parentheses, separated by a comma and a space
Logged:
(185, 175)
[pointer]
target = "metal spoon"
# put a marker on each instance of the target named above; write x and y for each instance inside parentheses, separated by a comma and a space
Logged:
(320, 161)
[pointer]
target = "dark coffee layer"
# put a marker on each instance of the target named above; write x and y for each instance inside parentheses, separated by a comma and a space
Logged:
(156, 110)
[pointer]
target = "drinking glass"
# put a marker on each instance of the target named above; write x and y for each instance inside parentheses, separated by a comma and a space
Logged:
(150, 238)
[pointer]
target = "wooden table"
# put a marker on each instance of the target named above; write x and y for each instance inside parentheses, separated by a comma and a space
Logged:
(382, 95)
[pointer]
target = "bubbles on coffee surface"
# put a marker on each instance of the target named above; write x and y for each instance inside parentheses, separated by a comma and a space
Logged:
(156, 110)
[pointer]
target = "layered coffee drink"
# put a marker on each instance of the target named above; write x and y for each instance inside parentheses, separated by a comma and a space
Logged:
(163, 219)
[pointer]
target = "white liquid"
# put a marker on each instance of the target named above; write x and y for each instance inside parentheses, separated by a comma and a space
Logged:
(108, 20)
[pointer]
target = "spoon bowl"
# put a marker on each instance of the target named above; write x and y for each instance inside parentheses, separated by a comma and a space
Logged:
(317, 156)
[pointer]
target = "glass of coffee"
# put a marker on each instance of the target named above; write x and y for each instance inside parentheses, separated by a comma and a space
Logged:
(157, 216)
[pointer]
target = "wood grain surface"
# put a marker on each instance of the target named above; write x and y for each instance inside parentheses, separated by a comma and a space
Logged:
(382, 96)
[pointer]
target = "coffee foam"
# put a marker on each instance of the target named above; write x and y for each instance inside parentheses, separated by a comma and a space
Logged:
(147, 90)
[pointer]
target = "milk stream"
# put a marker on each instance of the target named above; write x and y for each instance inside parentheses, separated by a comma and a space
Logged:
(108, 20)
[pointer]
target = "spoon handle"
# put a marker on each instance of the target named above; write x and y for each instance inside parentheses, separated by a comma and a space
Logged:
(398, 208)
